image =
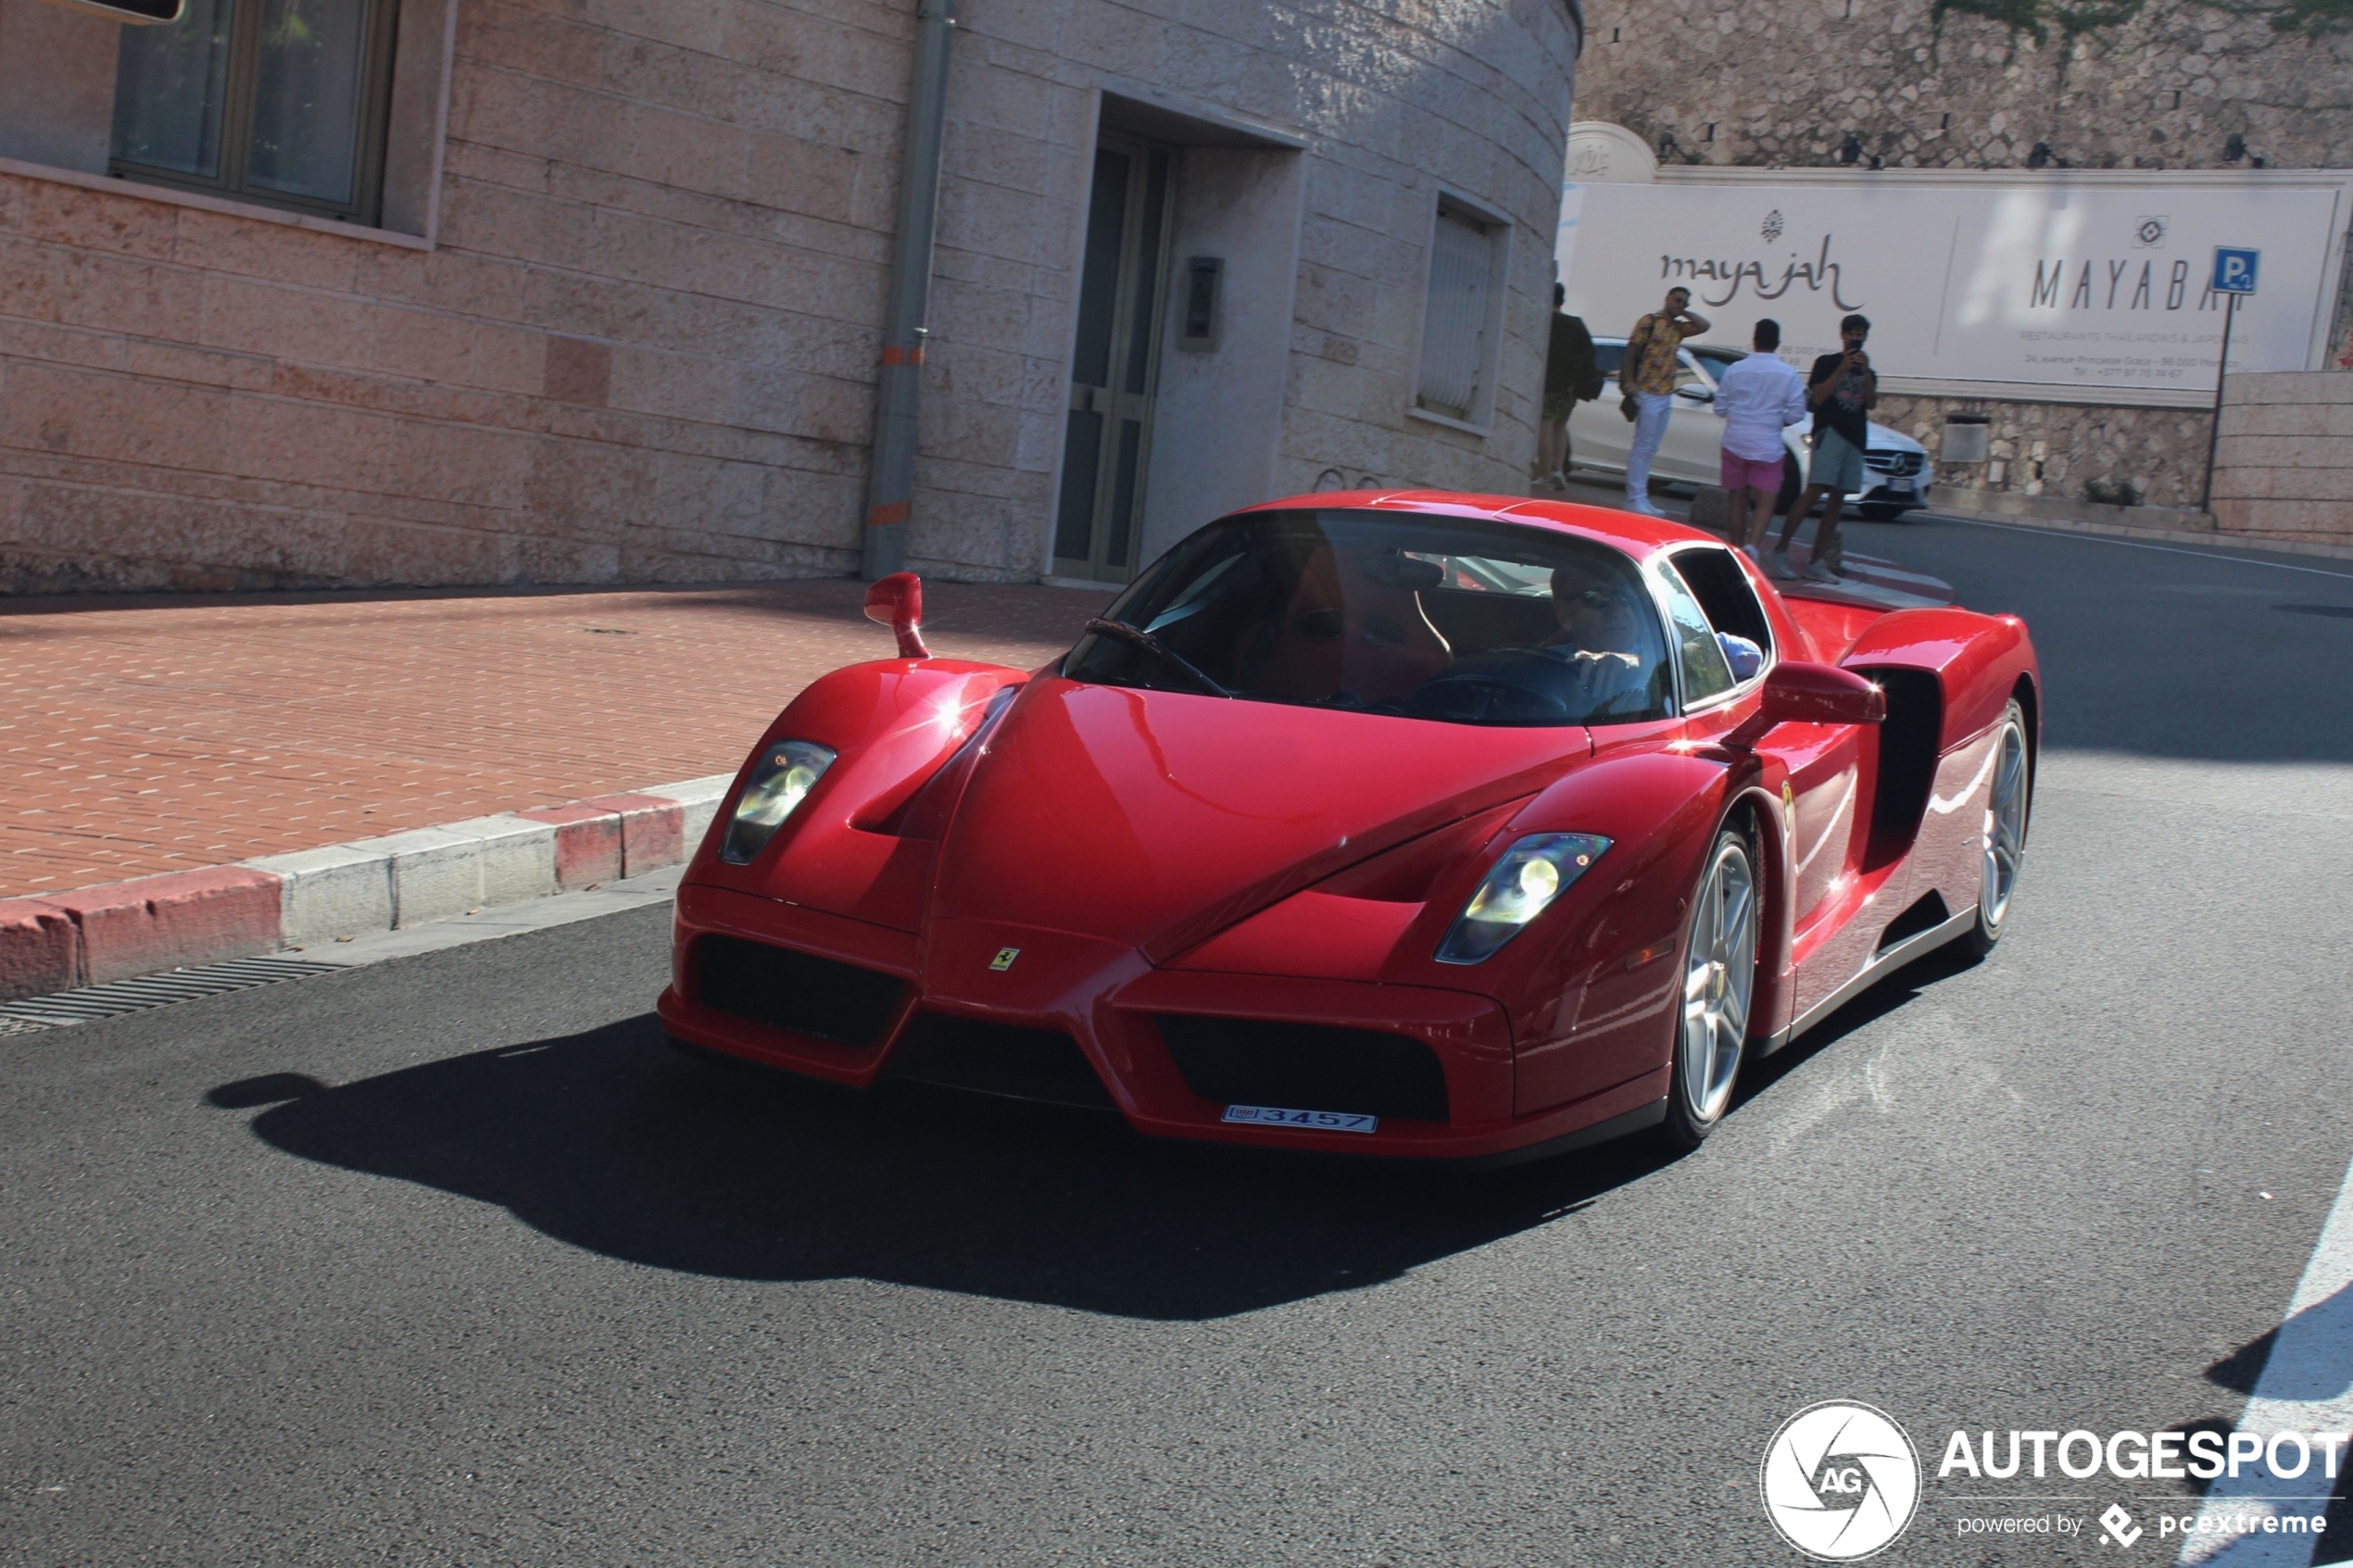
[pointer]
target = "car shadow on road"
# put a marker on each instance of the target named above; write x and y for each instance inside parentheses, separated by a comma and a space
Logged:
(607, 1141)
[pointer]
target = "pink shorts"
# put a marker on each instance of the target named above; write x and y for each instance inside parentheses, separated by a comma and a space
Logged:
(1753, 473)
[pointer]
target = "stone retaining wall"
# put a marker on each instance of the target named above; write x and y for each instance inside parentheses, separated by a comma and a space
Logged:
(2145, 457)
(1970, 83)
(2284, 467)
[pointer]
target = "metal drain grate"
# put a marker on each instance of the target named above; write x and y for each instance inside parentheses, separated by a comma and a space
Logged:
(117, 997)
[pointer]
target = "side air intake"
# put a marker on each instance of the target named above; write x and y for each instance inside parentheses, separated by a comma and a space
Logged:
(797, 991)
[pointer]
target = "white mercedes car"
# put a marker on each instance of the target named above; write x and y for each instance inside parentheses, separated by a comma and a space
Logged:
(1599, 437)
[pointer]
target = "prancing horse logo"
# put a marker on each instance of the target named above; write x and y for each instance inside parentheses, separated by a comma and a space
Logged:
(1004, 959)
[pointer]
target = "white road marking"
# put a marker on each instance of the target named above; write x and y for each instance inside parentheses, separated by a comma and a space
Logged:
(2307, 1387)
(2137, 545)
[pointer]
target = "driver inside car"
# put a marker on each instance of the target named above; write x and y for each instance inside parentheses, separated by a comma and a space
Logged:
(1600, 635)
(1599, 622)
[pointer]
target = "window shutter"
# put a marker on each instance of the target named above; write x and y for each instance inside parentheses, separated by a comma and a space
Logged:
(1455, 325)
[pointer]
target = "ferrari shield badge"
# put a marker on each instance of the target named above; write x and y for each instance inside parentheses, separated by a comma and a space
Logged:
(1004, 959)
(1789, 805)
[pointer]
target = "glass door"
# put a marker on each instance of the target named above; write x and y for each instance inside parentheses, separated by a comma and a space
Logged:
(1122, 298)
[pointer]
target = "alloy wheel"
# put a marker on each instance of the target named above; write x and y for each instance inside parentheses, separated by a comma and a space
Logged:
(1719, 973)
(2004, 827)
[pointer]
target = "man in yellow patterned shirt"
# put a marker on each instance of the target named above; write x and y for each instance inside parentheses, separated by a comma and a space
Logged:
(1646, 377)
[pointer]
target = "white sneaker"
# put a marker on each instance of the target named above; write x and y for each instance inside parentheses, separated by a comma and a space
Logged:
(1815, 571)
(1641, 505)
(1777, 566)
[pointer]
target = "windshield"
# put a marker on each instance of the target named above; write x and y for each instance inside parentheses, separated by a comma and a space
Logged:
(1420, 616)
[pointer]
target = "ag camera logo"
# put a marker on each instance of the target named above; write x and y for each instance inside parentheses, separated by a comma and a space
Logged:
(1840, 1480)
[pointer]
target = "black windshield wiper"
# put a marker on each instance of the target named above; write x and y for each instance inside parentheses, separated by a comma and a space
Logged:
(1152, 645)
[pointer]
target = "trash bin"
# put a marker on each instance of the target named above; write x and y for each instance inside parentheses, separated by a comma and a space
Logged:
(1967, 439)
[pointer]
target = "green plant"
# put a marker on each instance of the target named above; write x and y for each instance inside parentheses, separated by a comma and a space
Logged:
(2312, 17)
(2038, 17)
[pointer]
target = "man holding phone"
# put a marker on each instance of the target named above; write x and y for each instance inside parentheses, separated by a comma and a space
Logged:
(1841, 390)
(1646, 380)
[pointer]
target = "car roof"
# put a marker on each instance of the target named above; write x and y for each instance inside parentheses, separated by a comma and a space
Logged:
(1633, 535)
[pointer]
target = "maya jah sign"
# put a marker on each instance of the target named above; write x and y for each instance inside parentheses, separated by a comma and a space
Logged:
(2095, 288)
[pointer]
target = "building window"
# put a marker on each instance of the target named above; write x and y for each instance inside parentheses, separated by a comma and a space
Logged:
(275, 101)
(1460, 315)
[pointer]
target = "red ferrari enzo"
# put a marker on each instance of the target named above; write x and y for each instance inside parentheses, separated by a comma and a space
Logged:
(1416, 824)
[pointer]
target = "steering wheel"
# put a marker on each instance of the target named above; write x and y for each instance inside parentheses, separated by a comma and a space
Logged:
(1515, 683)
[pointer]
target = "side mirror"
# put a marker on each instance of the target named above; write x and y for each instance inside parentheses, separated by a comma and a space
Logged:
(1798, 693)
(896, 601)
(1696, 393)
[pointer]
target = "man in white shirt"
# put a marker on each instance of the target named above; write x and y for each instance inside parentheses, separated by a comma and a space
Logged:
(1756, 399)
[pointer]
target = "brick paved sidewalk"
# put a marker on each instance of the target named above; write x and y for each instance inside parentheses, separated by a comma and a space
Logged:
(160, 734)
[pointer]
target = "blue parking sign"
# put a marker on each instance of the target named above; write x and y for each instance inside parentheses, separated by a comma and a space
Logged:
(2234, 269)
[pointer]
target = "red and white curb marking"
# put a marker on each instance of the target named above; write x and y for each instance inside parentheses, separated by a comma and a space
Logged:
(94, 935)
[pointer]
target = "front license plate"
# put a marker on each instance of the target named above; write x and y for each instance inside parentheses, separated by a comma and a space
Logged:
(1899, 484)
(1316, 1120)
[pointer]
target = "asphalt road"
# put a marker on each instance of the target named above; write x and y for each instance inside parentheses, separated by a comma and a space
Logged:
(445, 1260)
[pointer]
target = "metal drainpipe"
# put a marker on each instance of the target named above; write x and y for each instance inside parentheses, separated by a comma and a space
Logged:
(898, 391)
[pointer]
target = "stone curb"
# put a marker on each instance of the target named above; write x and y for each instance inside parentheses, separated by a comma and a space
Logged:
(93, 935)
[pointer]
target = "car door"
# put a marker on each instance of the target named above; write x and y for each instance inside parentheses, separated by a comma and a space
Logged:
(1826, 810)
(1624, 1007)
(1691, 453)
(1602, 437)
(1599, 436)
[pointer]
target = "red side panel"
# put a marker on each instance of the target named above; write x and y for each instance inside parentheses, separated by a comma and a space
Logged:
(1831, 627)
(1977, 657)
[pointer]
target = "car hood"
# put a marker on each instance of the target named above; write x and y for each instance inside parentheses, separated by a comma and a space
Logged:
(1155, 819)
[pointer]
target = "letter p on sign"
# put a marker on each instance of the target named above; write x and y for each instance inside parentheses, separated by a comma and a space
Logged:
(2234, 269)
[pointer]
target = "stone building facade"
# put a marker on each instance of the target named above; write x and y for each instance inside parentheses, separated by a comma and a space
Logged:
(611, 308)
(1994, 85)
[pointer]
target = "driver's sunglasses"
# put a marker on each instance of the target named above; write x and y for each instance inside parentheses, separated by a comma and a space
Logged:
(1592, 598)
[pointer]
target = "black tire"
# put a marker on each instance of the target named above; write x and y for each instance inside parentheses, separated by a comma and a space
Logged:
(2002, 837)
(1698, 1094)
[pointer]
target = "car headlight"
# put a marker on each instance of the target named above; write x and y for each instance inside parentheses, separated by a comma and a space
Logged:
(1532, 873)
(786, 773)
